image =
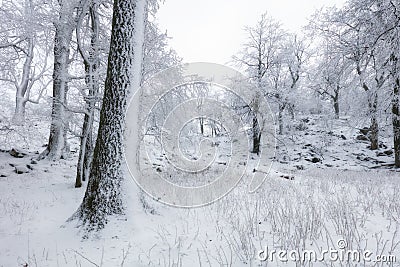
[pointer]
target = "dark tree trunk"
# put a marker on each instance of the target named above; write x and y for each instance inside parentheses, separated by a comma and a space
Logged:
(280, 117)
(86, 149)
(396, 122)
(256, 136)
(87, 160)
(201, 120)
(374, 129)
(336, 106)
(91, 63)
(256, 126)
(103, 193)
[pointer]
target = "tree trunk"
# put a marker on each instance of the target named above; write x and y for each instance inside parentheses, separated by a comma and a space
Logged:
(201, 120)
(85, 151)
(87, 160)
(256, 128)
(374, 129)
(103, 193)
(292, 111)
(57, 146)
(22, 92)
(19, 113)
(256, 137)
(396, 122)
(336, 106)
(280, 117)
(91, 63)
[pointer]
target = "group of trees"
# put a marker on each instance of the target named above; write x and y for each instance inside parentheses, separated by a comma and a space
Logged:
(351, 48)
(273, 59)
(364, 39)
(70, 45)
(96, 52)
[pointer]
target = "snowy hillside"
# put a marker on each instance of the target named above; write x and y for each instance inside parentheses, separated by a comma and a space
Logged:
(308, 207)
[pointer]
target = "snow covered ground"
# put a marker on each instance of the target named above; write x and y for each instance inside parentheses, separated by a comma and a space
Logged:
(304, 204)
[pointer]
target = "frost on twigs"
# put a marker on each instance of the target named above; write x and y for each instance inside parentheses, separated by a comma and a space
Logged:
(190, 142)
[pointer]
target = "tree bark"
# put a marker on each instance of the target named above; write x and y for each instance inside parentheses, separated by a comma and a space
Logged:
(57, 145)
(374, 129)
(103, 193)
(256, 126)
(201, 121)
(91, 63)
(256, 136)
(20, 107)
(373, 113)
(396, 122)
(336, 106)
(22, 92)
(281, 109)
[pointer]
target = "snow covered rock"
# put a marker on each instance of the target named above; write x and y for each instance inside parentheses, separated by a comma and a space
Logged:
(21, 169)
(16, 153)
(315, 160)
(362, 138)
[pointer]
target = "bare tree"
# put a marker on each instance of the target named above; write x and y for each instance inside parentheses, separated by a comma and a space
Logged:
(57, 146)
(157, 54)
(103, 193)
(367, 32)
(258, 55)
(284, 76)
(331, 75)
(25, 47)
(91, 61)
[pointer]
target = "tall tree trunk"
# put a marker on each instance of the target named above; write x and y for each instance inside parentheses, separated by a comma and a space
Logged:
(374, 128)
(86, 149)
(281, 109)
(91, 63)
(291, 109)
(22, 92)
(373, 113)
(57, 146)
(88, 157)
(256, 107)
(201, 121)
(19, 112)
(103, 193)
(256, 126)
(336, 106)
(396, 121)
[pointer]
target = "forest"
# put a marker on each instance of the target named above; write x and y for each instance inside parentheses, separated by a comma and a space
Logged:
(116, 151)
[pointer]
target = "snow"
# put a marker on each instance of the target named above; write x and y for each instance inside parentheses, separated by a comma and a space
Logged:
(313, 211)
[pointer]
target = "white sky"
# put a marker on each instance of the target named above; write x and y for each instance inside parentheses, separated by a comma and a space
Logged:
(212, 30)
